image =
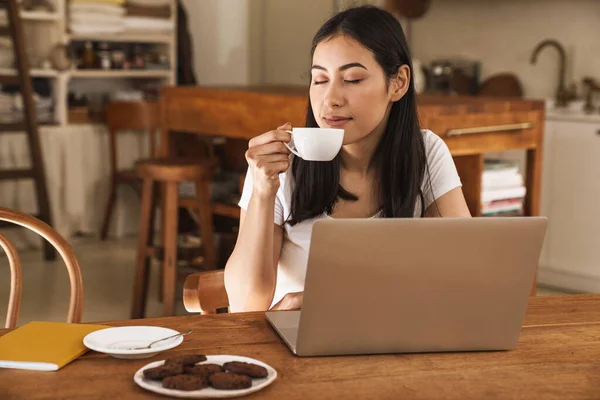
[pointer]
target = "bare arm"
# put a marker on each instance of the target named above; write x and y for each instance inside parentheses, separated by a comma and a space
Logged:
(451, 204)
(251, 272)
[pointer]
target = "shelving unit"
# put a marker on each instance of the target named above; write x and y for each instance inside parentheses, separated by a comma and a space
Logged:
(130, 73)
(48, 29)
(35, 73)
(134, 36)
(39, 16)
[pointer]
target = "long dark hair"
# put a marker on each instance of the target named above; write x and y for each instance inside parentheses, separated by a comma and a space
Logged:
(399, 158)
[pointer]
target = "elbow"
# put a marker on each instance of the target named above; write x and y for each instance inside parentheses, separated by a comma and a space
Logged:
(243, 305)
(248, 303)
(247, 295)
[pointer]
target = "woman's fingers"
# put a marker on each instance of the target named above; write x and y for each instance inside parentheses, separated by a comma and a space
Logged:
(269, 148)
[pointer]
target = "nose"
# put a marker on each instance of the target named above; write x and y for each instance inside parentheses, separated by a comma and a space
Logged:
(334, 97)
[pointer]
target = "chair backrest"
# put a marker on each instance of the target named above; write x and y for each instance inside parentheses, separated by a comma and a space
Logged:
(132, 115)
(62, 247)
(16, 283)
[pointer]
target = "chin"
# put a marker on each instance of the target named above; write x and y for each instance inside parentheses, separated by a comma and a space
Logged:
(351, 138)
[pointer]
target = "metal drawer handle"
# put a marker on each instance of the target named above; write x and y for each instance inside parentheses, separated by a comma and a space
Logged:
(488, 129)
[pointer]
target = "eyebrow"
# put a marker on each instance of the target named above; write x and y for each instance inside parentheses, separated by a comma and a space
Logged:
(343, 67)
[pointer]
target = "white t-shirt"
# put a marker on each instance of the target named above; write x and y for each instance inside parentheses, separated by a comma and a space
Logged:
(291, 270)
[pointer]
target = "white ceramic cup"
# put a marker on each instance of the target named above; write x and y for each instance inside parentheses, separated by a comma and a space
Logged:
(316, 144)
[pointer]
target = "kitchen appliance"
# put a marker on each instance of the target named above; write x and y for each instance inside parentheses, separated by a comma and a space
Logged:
(454, 76)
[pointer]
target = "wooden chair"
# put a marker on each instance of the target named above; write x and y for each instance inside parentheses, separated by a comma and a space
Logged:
(171, 172)
(63, 248)
(16, 282)
(204, 292)
(122, 116)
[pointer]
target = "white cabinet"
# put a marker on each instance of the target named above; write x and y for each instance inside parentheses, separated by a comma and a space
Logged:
(571, 201)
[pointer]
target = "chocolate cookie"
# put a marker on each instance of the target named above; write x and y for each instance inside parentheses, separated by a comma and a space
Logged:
(229, 381)
(186, 360)
(184, 382)
(203, 370)
(244, 368)
(158, 373)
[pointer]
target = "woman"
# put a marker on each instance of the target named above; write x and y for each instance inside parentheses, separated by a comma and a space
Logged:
(361, 81)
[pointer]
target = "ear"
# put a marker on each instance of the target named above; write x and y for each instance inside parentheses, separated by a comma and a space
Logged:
(399, 84)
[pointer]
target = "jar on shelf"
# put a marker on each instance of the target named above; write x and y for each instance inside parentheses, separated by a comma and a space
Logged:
(88, 58)
(118, 58)
(104, 56)
(137, 59)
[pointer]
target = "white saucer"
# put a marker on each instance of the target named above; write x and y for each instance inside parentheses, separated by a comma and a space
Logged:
(117, 341)
(207, 393)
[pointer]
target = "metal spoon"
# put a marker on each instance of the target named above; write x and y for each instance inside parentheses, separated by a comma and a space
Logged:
(160, 340)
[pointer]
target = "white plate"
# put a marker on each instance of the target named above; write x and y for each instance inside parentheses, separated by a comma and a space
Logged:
(207, 393)
(117, 341)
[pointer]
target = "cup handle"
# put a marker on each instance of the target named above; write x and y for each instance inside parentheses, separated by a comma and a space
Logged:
(293, 150)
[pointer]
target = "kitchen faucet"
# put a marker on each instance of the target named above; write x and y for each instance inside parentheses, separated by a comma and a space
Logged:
(562, 94)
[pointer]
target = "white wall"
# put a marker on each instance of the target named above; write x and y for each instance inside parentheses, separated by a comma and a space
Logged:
(257, 41)
(289, 26)
(503, 33)
(219, 30)
(253, 41)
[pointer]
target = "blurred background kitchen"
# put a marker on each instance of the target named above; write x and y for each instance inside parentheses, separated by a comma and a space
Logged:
(85, 54)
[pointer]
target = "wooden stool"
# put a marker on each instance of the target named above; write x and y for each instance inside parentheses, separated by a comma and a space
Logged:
(171, 172)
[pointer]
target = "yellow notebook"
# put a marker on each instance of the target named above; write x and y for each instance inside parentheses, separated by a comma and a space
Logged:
(44, 346)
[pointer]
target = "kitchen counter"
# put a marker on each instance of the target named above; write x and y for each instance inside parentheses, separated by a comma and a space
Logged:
(449, 104)
(572, 112)
(572, 116)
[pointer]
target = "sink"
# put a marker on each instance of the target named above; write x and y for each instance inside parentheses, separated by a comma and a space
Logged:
(575, 106)
(572, 112)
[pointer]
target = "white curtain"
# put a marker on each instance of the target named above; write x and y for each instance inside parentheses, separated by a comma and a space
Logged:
(77, 165)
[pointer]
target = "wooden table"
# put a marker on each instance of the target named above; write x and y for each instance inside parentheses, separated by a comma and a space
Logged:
(558, 357)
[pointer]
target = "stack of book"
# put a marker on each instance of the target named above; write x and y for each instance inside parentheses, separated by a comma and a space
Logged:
(502, 187)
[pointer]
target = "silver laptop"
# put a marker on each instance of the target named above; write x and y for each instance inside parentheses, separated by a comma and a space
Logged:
(378, 286)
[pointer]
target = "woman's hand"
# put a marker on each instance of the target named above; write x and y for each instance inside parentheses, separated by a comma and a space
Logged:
(291, 301)
(268, 157)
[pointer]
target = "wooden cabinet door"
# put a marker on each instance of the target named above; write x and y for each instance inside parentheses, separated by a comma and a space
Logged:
(571, 194)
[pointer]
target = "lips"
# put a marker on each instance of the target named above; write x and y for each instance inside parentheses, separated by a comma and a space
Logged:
(336, 120)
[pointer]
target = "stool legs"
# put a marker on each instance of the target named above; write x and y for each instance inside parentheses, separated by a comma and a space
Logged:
(110, 205)
(205, 219)
(140, 285)
(169, 269)
(169, 232)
